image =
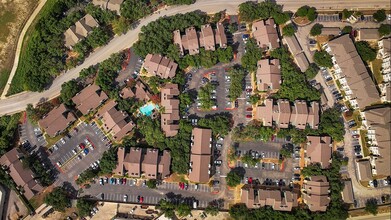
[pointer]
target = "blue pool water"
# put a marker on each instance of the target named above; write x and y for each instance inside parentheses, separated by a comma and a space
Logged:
(147, 109)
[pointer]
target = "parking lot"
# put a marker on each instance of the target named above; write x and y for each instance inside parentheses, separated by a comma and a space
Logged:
(32, 134)
(132, 70)
(71, 163)
(327, 18)
(171, 191)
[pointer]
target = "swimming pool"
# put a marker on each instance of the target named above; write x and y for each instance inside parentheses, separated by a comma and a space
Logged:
(148, 109)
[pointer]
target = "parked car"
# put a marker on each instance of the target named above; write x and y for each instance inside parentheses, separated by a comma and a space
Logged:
(125, 198)
(218, 162)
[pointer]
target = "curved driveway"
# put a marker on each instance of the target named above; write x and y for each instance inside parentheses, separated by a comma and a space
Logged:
(18, 102)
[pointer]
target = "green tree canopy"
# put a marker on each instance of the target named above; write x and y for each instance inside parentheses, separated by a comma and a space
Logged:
(134, 9)
(380, 15)
(316, 29)
(322, 58)
(183, 209)
(233, 178)
(108, 161)
(312, 71)
(331, 124)
(220, 124)
(347, 29)
(366, 52)
(8, 129)
(371, 206)
(236, 87)
(384, 29)
(68, 90)
(84, 206)
(212, 210)
(288, 30)
(151, 183)
(252, 55)
(58, 198)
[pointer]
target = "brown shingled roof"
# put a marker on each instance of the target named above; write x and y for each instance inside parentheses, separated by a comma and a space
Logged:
(89, 98)
(368, 34)
(268, 74)
(299, 114)
(164, 164)
(57, 120)
(80, 30)
(356, 74)
(265, 34)
(347, 193)
(207, 39)
(379, 119)
(150, 163)
(23, 177)
(170, 104)
(316, 193)
(202, 141)
(264, 113)
(157, 65)
(200, 165)
(364, 170)
(319, 150)
(282, 113)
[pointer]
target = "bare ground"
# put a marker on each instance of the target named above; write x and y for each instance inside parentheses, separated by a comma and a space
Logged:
(13, 15)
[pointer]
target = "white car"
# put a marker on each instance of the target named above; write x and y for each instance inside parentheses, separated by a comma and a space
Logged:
(125, 198)
(385, 182)
(371, 183)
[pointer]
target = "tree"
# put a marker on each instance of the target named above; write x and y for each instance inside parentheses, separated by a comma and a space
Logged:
(88, 72)
(233, 178)
(238, 211)
(68, 90)
(312, 71)
(281, 18)
(288, 30)
(225, 55)
(380, 15)
(183, 209)
(322, 58)
(346, 13)
(151, 183)
(84, 206)
(254, 99)
(316, 29)
(384, 29)
(134, 9)
(331, 124)
(120, 25)
(204, 97)
(347, 29)
(98, 37)
(8, 129)
(233, 28)
(236, 87)
(302, 11)
(371, 206)
(212, 210)
(252, 55)
(58, 198)
(366, 52)
(220, 124)
(248, 159)
(311, 15)
(108, 161)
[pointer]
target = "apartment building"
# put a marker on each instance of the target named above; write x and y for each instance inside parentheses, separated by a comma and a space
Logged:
(135, 90)
(200, 157)
(157, 65)
(147, 162)
(298, 54)
(57, 120)
(207, 38)
(384, 53)
(89, 98)
(112, 5)
(364, 170)
(23, 177)
(368, 34)
(278, 198)
(282, 114)
(319, 150)
(268, 74)
(351, 72)
(80, 30)
(315, 193)
(330, 31)
(378, 123)
(265, 34)
(115, 122)
(170, 114)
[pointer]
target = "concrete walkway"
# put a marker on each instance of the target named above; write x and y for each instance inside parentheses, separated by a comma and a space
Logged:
(19, 46)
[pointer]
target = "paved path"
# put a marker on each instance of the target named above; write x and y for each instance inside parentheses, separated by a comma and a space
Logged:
(19, 46)
(18, 102)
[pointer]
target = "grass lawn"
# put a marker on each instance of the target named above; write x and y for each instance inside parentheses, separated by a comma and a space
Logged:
(6, 18)
(376, 70)
(3, 78)
(53, 140)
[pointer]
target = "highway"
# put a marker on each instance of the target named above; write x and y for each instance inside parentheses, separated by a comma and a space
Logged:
(18, 102)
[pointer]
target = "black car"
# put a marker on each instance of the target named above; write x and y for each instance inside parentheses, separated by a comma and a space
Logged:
(359, 156)
(138, 198)
(338, 98)
(236, 104)
(375, 183)
(102, 196)
(352, 125)
(383, 199)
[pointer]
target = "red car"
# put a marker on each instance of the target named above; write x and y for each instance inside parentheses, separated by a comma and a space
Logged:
(273, 137)
(82, 146)
(249, 116)
(141, 199)
(250, 180)
(124, 181)
(249, 109)
(356, 136)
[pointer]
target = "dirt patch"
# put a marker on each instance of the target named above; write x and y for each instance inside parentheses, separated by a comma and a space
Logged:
(301, 21)
(13, 15)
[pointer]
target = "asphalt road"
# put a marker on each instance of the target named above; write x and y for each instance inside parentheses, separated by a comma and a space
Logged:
(18, 102)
